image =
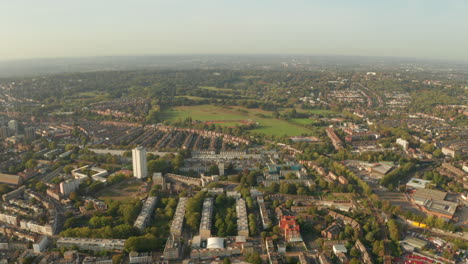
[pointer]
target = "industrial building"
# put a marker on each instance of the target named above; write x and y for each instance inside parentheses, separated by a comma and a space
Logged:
(433, 202)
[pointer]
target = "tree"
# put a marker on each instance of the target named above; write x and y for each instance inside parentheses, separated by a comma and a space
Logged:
(142, 243)
(213, 170)
(117, 259)
(393, 230)
(67, 169)
(30, 164)
(254, 258)
(41, 187)
(73, 196)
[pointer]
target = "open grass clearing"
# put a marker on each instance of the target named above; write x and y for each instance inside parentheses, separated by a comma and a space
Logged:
(266, 124)
(212, 88)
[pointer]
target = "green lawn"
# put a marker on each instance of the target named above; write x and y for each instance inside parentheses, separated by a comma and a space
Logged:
(269, 126)
(196, 98)
(302, 121)
(212, 88)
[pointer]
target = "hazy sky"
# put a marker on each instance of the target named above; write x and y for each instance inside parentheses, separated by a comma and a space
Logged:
(69, 28)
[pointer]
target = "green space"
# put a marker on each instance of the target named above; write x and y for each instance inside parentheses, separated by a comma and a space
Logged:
(212, 88)
(266, 125)
(123, 191)
(302, 121)
(195, 98)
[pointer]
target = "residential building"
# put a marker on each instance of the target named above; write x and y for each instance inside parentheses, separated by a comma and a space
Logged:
(41, 244)
(4, 132)
(94, 244)
(29, 133)
(13, 126)
(178, 220)
(242, 222)
(290, 228)
(140, 169)
(403, 143)
(145, 214)
(266, 222)
(206, 218)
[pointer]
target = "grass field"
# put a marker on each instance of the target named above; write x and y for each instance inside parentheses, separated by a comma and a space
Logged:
(302, 121)
(266, 125)
(123, 191)
(196, 98)
(212, 88)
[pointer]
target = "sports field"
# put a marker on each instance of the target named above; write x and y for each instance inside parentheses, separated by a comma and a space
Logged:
(266, 125)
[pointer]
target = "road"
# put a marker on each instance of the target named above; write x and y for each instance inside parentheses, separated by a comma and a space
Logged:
(48, 177)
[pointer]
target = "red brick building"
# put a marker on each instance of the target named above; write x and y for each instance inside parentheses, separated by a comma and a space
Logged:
(291, 229)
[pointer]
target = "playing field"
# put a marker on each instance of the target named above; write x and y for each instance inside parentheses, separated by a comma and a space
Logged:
(122, 191)
(302, 121)
(265, 124)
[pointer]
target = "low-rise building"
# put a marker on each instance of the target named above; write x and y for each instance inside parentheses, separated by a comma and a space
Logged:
(172, 248)
(206, 218)
(9, 179)
(146, 212)
(178, 219)
(140, 258)
(290, 228)
(93, 244)
(266, 222)
(242, 222)
(41, 244)
(416, 184)
(433, 202)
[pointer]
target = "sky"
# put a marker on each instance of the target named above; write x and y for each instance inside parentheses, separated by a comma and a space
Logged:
(433, 29)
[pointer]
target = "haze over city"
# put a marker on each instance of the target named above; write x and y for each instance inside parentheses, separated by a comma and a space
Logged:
(401, 28)
(233, 132)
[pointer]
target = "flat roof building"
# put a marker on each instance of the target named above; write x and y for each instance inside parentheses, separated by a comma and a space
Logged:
(94, 244)
(145, 213)
(433, 202)
(415, 183)
(266, 222)
(242, 221)
(206, 218)
(178, 220)
(10, 179)
(140, 169)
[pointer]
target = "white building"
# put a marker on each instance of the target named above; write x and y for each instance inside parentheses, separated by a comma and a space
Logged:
(41, 244)
(94, 244)
(13, 126)
(339, 248)
(70, 186)
(415, 183)
(403, 143)
(140, 169)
